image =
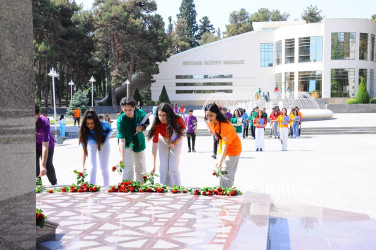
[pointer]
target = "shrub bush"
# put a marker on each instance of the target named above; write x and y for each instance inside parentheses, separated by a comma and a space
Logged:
(351, 101)
(373, 100)
(150, 103)
(164, 96)
(362, 96)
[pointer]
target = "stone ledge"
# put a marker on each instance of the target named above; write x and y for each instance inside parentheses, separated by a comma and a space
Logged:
(48, 232)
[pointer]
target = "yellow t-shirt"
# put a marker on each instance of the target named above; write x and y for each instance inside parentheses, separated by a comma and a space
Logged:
(280, 123)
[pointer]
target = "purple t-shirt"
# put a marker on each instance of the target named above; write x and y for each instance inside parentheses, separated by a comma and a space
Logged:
(43, 133)
(229, 115)
(190, 121)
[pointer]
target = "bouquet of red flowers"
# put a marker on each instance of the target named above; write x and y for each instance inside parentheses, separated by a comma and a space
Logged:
(40, 218)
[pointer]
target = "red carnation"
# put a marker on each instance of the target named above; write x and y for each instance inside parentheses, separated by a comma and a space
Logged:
(204, 193)
(144, 177)
(80, 174)
(141, 191)
(228, 194)
(95, 189)
(219, 189)
(131, 189)
(63, 190)
(214, 173)
(114, 168)
(50, 191)
(220, 193)
(184, 191)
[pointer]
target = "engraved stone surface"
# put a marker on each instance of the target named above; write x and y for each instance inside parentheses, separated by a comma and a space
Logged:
(17, 126)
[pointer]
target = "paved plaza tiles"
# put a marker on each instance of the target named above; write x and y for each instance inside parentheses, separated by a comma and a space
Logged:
(322, 189)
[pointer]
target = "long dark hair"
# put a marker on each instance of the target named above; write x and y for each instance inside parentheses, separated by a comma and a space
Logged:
(212, 107)
(171, 125)
(84, 130)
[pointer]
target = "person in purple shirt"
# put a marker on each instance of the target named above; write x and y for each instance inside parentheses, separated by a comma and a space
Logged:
(227, 113)
(45, 147)
(191, 122)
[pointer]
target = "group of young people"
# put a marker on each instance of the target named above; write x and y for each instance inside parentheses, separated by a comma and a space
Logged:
(166, 132)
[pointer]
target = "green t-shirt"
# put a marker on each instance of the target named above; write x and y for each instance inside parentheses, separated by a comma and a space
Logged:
(126, 128)
(234, 120)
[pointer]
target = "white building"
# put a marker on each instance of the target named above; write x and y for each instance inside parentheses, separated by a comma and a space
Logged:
(328, 57)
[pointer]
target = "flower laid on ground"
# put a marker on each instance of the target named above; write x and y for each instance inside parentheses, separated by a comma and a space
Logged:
(119, 168)
(80, 176)
(219, 172)
(40, 218)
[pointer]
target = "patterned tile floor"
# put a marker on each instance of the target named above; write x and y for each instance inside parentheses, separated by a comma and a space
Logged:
(156, 221)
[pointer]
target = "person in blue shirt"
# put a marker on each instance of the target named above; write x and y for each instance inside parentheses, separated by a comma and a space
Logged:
(94, 138)
(245, 123)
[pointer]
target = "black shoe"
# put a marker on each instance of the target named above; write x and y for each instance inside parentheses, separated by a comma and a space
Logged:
(257, 149)
(260, 149)
(189, 150)
(194, 151)
(214, 156)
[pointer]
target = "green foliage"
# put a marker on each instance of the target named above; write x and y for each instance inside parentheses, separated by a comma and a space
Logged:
(164, 96)
(187, 12)
(146, 94)
(373, 100)
(351, 101)
(137, 97)
(79, 100)
(374, 17)
(241, 21)
(208, 38)
(150, 103)
(362, 95)
(312, 14)
(205, 27)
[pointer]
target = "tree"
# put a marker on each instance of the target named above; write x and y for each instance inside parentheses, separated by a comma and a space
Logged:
(79, 100)
(312, 14)
(266, 15)
(362, 95)
(208, 38)
(170, 25)
(205, 27)
(129, 39)
(219, 34)
(164, 96)
(374, 17)
(146, 94)
(180, 38)
(188, 14)
(137, 97)
(239, 23)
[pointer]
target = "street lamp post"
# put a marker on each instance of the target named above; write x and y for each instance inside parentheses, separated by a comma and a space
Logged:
(53, 74)
(92, 80)
(127, 82)
(71, 83)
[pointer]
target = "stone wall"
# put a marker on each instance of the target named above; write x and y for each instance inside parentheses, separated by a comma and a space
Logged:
(17, 126)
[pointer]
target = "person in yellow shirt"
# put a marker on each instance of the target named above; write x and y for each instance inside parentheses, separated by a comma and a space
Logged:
(283, 128)
(292, 118)
(76, 116)
(230, 146)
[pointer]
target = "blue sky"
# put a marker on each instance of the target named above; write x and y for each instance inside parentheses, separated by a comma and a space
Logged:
(219, 11)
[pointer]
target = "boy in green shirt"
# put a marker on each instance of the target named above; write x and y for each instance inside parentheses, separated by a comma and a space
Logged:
(131, 139)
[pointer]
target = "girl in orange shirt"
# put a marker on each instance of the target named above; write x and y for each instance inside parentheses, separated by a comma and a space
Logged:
(283, 128)
(230, 146)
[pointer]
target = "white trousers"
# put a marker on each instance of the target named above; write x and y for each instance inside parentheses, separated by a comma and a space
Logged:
(169, 162)
(284, 132)
(230, 165)
(134, 163)
(104, 156)
(259, 137)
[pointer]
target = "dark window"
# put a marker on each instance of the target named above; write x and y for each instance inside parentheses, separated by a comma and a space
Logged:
(363, 46)
(289, 51)
(310, 81)
(342, 83)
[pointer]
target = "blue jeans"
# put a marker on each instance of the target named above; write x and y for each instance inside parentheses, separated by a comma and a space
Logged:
(275, 126)
(295, 129)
